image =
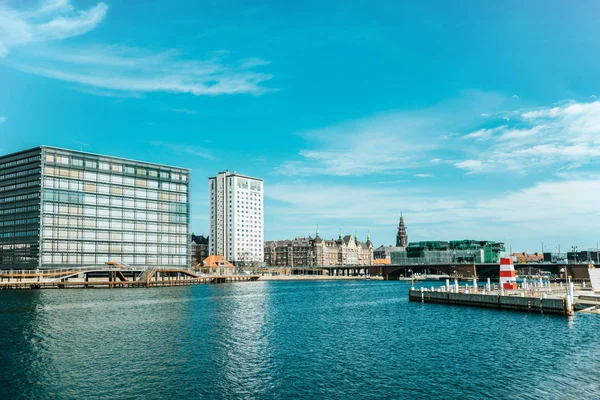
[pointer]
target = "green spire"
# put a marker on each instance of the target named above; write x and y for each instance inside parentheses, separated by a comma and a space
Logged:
(317, 229)
(368, 236)
(355, 236)
(340, 233)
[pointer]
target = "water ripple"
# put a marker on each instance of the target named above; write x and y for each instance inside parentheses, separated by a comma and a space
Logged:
(279, 340)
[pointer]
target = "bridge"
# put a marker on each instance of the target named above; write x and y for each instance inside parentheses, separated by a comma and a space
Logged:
(483, 270)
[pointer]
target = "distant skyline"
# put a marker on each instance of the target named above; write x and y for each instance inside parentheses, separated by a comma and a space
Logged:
(476, 120)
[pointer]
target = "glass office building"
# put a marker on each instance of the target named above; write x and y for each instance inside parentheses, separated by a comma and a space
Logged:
(68, 208)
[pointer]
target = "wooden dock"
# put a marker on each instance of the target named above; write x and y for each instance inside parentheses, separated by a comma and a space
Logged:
(112, 278)
(537, 304)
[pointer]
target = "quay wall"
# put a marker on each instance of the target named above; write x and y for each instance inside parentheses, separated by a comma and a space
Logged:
(528, 304)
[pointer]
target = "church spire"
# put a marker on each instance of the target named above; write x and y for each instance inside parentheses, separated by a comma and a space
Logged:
(340, 233)
(317, 229)
(355, 236)
(402, 237)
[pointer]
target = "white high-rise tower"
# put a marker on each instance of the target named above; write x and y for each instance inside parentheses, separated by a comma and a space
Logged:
(236, 217)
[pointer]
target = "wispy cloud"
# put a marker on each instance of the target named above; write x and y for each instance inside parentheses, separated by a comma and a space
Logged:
(559, 135)
(114, 68)
(52, 20)
(517, 214)
(252, 62)
(185, 149)
(484, 134)
(389, 142)
(184, 111)
(423, 175)
(3, 120)
(473, 166)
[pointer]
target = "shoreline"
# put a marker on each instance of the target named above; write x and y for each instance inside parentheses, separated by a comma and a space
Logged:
(316, 278)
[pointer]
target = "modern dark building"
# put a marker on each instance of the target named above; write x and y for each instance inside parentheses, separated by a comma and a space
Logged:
(454, 251)
(584, 256)
(199, 249)
(67, 208)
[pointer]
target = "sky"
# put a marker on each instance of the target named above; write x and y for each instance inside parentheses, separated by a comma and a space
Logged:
(474, 119)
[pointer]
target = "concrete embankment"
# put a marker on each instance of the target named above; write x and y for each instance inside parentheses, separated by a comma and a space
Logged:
(528, 304)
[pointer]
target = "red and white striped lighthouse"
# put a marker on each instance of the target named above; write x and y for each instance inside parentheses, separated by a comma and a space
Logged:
(507, 274)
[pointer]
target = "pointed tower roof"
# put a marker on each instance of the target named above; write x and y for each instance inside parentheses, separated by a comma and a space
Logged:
(402, 236)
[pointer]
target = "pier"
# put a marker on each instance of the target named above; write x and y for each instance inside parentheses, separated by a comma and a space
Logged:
(111, 277)
(538, 297)
(513, 302)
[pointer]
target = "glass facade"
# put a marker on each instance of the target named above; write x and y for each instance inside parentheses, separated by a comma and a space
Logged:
(20, 178)
(93, 209)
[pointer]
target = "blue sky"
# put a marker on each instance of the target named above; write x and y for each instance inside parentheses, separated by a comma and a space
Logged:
(476, 119)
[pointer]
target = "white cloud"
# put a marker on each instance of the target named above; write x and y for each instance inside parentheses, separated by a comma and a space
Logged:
(378, 145)
(3, 120)
(514, 96)
(555, 136)
(185, 149)
(389, 142)
(107, 69)
(524, 215)
(510, 134)
(423, 176)
(131, 70)
(53, 20)
(435, 160)
(253, 62)
(473, 166)
(484, 134)
(593, 97)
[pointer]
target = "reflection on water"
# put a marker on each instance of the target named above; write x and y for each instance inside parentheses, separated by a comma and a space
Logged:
(285, 339)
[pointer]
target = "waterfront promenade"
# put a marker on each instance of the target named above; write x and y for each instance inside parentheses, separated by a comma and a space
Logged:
(111, 277)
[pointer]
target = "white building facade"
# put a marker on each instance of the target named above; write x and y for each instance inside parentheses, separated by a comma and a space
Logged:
(236, 217)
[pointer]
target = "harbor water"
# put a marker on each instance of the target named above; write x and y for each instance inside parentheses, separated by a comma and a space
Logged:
(275, 340)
